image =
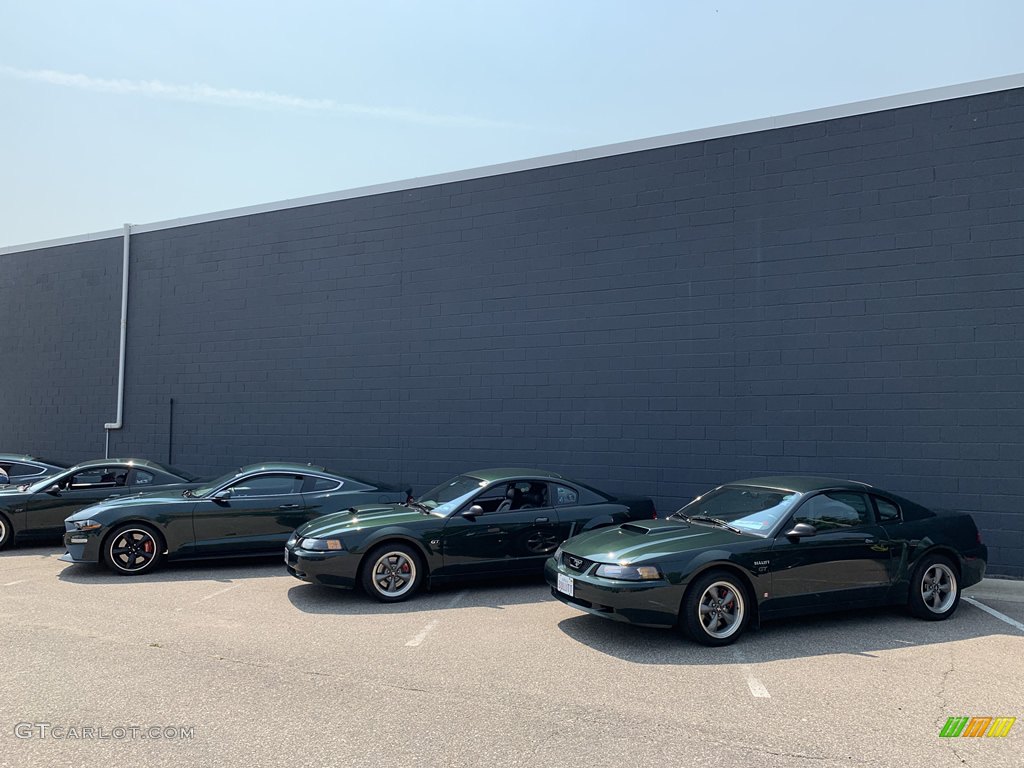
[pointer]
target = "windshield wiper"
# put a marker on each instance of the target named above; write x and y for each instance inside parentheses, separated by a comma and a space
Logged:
(679, 516)
(420, 505)
(716, 521)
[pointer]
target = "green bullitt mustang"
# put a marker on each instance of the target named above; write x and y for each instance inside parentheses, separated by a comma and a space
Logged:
(251, 511)
(771, 547)
(489, 522)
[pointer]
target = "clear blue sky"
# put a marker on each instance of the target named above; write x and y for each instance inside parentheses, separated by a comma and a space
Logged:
(143, 111)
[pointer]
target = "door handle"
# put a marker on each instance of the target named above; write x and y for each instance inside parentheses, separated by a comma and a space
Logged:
(870, 540)
(289, 506)
(541, 520)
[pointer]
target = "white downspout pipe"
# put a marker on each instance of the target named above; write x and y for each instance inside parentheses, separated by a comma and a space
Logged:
(119, 422)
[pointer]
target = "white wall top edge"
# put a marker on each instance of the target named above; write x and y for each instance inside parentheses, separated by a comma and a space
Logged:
(931, 95)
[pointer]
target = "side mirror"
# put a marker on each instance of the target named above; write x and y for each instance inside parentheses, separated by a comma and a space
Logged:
(473, 511)
(53, 490)
(800, 530)
(223, 495)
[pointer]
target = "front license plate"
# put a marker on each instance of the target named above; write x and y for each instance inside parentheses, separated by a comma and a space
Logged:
(565, 584)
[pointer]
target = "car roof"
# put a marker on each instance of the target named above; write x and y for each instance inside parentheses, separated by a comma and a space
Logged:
(803, 483)
(16, 457)
(510, 473)
(131, 462)
(283, 466)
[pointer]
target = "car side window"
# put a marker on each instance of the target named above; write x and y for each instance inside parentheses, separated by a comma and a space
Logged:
(95, 477)
(141, 477)
(266, 485)
(315, 484)
(887, 511)
(493, 498)
(22, 470)
(565, 496)
(834, 511)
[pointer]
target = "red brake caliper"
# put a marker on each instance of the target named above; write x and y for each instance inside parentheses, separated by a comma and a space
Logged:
(148, 547)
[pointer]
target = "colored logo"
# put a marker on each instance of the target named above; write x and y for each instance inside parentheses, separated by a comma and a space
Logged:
(977, 726)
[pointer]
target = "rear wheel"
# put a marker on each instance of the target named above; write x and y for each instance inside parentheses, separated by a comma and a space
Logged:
(934, 589)
(393, 572)
(6, 534)
(716, 609)
(132, 549)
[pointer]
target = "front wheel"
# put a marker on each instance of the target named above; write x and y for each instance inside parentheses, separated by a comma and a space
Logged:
(6, 534)
(132, 549)
(934, 589)
(716, 609)
(393, 572)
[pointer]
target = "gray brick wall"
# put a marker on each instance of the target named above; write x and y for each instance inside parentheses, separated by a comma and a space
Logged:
(841, 298)
(59, 321)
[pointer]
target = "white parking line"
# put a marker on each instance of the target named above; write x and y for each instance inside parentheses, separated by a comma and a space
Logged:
(208, 597)
(993, 612)
(12, 583)
(220, 592)
(757, 688)
(422, 634)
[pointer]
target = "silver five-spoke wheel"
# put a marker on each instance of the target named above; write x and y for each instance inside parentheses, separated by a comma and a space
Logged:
(721, 610)
(392, 572)
(715, 608)
(938, 588)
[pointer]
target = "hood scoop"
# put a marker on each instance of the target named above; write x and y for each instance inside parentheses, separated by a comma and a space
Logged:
(634, 528)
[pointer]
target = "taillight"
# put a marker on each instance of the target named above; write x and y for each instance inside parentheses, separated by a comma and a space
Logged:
(979, 537)
(654, 513)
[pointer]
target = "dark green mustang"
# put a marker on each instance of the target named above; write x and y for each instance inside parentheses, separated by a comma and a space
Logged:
(489, 522)
(36, 510)
(770, 547)
(251, 511)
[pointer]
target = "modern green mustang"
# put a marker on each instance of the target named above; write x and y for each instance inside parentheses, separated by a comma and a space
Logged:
(770, 547)
(36, 510)
(251, 511)
(489, 522)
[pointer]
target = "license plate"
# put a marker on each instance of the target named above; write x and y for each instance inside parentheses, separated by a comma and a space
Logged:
(565, 584)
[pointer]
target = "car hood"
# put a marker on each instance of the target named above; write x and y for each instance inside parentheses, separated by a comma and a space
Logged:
(650, 540)
(360, 518)
(149, 498)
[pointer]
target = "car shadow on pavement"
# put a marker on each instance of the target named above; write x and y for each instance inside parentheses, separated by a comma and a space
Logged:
(860, 633)
(496, 594)
(194, 570)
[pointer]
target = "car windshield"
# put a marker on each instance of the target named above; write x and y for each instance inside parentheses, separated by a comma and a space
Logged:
(751, 509)
(213, 485)
(41, 485)
(450, 495)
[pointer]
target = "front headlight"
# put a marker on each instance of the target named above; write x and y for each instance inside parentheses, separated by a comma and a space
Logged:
(321, 545)
(629, 572)
(558, 554)
(87, 525)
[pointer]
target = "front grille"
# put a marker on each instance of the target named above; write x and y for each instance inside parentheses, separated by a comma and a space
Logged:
(574, 563)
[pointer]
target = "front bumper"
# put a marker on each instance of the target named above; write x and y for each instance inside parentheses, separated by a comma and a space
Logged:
(331, 569)
(82, 546)
(649, 604)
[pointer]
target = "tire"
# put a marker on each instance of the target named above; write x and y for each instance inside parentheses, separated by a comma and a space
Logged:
(934, 589)
(133, 549)
(6, 532)
(393, 572)
(709, 603)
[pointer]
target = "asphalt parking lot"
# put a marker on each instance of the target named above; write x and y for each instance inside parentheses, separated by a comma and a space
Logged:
(267, 670)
